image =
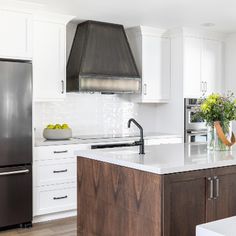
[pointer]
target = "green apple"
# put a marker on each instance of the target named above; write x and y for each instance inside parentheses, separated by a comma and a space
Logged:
(65, 126)
(50, 126)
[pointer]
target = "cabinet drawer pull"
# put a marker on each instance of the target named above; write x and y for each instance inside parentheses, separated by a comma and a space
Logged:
(59, 171)
(60, 198)
(62, 86)
(202, 89)
(145, 89)
(57, 152)
(217, 184)
(211, 188)
(17, 172)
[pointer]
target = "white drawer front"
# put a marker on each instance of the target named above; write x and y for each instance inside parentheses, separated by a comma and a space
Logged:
(54, 172)
(163, 141)
(55, 200)
(53, 152)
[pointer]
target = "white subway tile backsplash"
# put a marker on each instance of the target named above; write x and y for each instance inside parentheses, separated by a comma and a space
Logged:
(93, 114)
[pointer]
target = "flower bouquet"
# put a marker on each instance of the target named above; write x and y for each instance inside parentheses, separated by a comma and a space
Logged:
(218, 112)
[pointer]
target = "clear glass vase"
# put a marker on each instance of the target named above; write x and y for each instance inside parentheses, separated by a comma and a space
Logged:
(214, 143)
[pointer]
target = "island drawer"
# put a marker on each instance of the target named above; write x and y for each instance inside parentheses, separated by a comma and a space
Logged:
(53, 152)
(54, 171)
(55, 199)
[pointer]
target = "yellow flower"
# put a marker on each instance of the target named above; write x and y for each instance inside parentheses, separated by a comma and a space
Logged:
(214, 96)
(204, 107)
(211, 100)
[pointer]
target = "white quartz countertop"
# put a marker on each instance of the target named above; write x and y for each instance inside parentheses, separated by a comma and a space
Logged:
(165, 158)
(225, 227)
(86, 139)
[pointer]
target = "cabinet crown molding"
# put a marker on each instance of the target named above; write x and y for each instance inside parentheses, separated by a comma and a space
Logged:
(196, 33)
(35, 10)
(56, 18)
(148, 31)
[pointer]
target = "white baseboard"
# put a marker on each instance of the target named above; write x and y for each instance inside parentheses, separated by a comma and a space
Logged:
(54, 216)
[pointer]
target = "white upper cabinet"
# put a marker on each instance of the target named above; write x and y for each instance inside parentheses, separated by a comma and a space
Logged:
(152, 55)
(192, 67)
(202, 66)
(49, 59)
(211, 63)
(15, 35)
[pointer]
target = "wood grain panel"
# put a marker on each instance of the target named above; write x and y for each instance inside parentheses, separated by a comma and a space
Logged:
(115, 201)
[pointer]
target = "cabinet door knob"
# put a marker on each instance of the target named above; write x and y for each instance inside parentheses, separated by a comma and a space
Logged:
(62, 86)
(145, 89)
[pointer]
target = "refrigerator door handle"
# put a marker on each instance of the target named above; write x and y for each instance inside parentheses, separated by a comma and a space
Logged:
(17, 172)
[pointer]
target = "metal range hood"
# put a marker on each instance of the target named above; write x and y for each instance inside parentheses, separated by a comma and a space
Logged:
(101, 60)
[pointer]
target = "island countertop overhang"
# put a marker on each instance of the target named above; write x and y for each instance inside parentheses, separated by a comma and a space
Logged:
(164, 159)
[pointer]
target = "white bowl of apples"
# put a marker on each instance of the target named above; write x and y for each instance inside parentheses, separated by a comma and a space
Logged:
(57, 132)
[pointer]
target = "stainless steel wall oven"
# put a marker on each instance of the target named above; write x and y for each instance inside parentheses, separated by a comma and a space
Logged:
(195, 129)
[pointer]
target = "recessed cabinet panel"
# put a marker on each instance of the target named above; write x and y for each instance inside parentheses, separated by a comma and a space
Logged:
(152, 54)
(150, 73)
(15, 31)
(186, 202)
(211, 66)
(49, 61)
(225, 192)
(156, 68)
(192, 67)
(165, 81)
(202, 67)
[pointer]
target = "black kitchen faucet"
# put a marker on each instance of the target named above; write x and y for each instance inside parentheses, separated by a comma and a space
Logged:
(139, 143)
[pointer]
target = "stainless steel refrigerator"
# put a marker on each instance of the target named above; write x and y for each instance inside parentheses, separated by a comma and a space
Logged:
(15, 143)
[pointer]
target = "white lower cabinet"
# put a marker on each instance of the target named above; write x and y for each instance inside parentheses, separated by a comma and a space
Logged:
(54, 172)
(159, 141)
(55, 198)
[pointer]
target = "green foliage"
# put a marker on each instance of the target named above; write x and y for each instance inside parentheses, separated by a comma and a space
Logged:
(217, 107)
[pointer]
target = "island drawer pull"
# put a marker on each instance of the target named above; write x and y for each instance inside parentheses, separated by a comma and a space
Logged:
(58, 152)
(59, 171)
(217, 184)
(60, 198)
(211, 188)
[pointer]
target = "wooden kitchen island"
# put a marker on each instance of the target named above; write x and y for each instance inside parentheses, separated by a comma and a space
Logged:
(166, 192)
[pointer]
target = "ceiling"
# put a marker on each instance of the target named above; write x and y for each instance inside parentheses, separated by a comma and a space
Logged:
(159, 13)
